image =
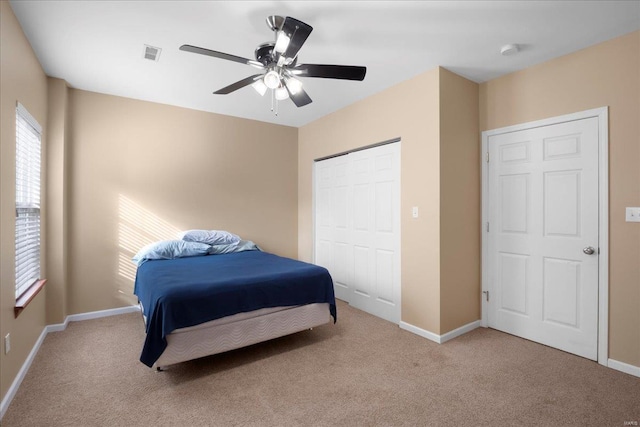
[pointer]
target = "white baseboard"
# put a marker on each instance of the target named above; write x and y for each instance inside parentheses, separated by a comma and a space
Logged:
(624, 367)
(6, 401)
(460, 331)
(440, 339)
(103, 313)
(4, 405)
(419, 331)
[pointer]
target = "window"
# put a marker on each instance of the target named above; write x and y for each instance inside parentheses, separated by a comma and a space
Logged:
(28, 133)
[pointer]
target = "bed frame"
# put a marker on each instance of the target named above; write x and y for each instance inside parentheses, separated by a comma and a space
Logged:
(239, 330)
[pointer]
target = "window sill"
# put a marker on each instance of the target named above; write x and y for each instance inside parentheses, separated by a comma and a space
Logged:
(28, 296)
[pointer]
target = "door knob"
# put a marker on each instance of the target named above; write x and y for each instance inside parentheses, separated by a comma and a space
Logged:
(589, 250)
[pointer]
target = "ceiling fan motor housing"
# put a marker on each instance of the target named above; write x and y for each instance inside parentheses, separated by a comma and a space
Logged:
(264, 53)
(266, 56)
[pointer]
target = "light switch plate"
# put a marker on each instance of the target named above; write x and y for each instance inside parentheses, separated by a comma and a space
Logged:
(414, 212)
(632, 215)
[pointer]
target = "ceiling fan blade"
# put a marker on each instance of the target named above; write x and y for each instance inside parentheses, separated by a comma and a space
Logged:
(221, 55)
(297, 31)
(237, 85)
(344, 72)
(300, 98)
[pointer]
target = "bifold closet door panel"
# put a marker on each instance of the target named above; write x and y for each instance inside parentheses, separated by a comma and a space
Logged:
(333, 223)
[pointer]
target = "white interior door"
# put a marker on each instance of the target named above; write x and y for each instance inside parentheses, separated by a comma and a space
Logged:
(543, 218)
(357, 232)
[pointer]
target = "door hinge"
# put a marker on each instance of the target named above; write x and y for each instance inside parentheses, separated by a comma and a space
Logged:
(486, 294)
(487, 226)
(487, 156)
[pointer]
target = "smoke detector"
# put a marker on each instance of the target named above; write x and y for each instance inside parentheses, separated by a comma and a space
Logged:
(509, 49)
(151, 53)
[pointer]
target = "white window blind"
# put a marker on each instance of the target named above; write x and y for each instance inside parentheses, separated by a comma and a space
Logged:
(28, 133)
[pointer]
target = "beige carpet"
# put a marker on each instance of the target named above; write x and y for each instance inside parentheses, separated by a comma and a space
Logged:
(362, 371)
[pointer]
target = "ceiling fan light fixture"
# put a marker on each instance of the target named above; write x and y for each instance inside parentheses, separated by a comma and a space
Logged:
(282, 42)
(294, 85)
(260, 87)
(281, 93)
(272, 79)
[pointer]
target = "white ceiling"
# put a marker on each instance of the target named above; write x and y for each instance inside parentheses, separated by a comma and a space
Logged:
(98, 45)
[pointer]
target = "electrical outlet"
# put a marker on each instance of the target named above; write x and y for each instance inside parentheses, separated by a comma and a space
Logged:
(7, 343)
(632, 215)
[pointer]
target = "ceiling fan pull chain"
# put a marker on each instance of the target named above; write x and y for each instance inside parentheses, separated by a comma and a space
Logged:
(272, 98)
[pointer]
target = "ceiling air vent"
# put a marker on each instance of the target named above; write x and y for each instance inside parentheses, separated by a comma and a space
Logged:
(152, 53)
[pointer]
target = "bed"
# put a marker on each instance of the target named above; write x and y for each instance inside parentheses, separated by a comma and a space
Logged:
(203, 305)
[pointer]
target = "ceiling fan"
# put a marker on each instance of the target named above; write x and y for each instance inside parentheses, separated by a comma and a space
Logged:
(279, 62)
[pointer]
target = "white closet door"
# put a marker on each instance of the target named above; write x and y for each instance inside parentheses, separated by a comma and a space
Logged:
(333, 228)
(376, 231)
(357, 227)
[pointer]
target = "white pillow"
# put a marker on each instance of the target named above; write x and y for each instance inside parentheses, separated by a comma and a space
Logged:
(170, 249)
(210, 237)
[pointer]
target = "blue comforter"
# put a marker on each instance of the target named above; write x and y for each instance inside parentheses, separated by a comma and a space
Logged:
(185, 292)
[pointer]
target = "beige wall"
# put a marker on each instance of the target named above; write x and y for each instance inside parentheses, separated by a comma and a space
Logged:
(56, 218)
(435, 115)
(139, 172)
(459, 202)
(607, 74)
(22, 80)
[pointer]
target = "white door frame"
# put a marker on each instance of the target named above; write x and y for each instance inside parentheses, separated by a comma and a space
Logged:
(603, 215)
